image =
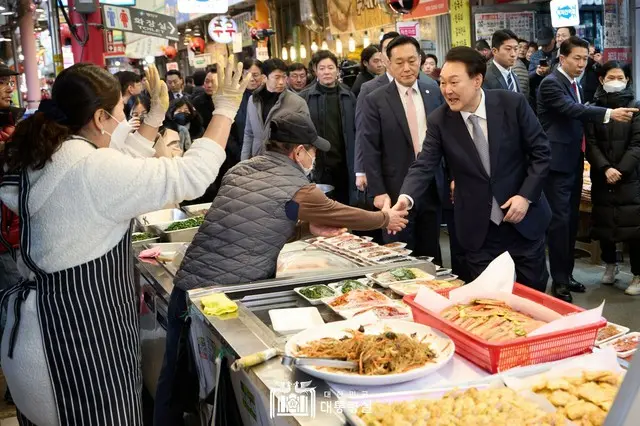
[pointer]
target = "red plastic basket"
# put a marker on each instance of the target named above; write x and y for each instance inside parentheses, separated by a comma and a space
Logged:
(496, 357)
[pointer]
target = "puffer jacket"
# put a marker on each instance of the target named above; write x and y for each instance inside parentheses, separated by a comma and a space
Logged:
(616, 208)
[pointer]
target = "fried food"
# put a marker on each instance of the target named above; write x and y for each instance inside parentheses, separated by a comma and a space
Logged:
(585, 399)
(495, 407)
(492, 320)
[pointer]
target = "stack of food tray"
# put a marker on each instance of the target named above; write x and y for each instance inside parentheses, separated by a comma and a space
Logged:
(362, 249)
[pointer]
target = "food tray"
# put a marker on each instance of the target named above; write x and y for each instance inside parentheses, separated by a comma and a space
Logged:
(178, 236)
(497, 357)
(147, 221)
(622, 331)
(385, 300)
(350, 313)
(387, 284)
(143, 242)
(314, 301)
(397, 288)
(197, 209)
(338, 286)
(625, 353)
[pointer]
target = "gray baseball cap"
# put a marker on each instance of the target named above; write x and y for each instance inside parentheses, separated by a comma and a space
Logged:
(297, 128)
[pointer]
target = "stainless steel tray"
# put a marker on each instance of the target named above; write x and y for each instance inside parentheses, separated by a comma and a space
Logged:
(147, 241)
(148, 220)
(179, 236)
(197, 209)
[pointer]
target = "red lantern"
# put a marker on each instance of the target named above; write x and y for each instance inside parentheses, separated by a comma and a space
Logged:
(170, 52)
(65, 34)
(403, 6)
(197, 44)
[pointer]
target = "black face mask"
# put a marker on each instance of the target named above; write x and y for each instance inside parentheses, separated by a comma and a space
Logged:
(182, 118)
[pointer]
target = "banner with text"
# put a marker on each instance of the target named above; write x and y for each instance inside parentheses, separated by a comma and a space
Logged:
(460, 12)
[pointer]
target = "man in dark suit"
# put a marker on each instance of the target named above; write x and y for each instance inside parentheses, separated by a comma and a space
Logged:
(365, 89)
(563, 115)
(175, 84)
(393, 126)
(499, 157)
(500, 74)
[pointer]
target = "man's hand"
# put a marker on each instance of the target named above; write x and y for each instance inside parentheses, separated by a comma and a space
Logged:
(361, 183)
(452, 186)
(397, 219)
(612, 175)
(518, 207)
(624, 115)
(382, 202)
(326, 231)
(542, 71)
(402, 204)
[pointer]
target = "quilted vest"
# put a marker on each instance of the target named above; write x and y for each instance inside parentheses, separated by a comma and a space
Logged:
(246, 227)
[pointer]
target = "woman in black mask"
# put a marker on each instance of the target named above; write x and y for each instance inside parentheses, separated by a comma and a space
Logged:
(184, 119)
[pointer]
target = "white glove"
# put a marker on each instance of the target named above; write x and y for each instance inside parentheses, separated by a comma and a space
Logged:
(134, 122)
(230, 91)
(159, 98)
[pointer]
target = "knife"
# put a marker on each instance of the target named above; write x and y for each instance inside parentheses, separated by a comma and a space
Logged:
(318, 362)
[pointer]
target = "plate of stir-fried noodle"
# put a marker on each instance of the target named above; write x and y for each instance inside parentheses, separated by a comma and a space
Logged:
(387, 352)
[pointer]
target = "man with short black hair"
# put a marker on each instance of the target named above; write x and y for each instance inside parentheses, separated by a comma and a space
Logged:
(175, 83)
(483, 47)
(562, 114)
(500, 75)
(332, 107)
(394, 125)
(297, 77)
(267, 101)
(498, 156)
(130, 84)
(371, 66)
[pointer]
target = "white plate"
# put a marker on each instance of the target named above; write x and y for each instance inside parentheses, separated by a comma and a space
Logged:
(439, 342)
(622, 331)
(294, 319)
(313, 301)
(614, 341)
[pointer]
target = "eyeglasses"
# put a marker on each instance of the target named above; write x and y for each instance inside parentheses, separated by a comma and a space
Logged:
(7, 82)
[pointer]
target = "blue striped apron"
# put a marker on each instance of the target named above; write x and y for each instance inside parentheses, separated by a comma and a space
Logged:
(89, 325)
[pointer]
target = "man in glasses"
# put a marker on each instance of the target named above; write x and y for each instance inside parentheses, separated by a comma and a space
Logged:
(297, 79)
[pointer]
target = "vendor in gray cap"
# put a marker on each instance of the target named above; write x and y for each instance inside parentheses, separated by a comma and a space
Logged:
(263, 203)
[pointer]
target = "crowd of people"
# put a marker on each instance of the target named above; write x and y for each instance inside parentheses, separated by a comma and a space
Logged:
(492, 143)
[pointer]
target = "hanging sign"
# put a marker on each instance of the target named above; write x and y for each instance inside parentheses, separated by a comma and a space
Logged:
(409, 29)
(262, 52)
(222, 28)
(201, 7)
(140, 21)
(564, 13)
(428, 8)
(201, 61)
(460, 12)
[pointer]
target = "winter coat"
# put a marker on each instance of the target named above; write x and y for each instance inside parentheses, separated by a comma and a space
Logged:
(616, 208)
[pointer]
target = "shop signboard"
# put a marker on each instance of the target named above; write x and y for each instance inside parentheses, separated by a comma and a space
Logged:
(521, 23)
(140, 21)
(112, 46)
(203, 6)
(241, 21)
(564, 13)
(428, 8)
(409, 29)
(201, 61)
(617, 31)
(347, 16)
(221, 29)
(460, 12)
(487, 24)
(262, 52)
(172, 66)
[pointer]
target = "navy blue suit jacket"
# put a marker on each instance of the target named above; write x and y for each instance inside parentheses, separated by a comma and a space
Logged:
(519, 153)
(386, 139)
(563, 118)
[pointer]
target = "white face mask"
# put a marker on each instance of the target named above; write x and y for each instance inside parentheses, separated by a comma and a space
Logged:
(120, 134)
(309, 170)
(614, 86)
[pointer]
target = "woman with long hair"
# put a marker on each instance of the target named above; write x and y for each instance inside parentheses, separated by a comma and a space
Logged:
(613, 150)
(70, 348)
(183, 119)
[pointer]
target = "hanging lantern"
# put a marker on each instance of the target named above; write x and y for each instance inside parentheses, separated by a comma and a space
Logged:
(65, 35)
(170, 52)
(293, 54)
(314, 47)
(325, 46)
(365, 40)
(352, 43)
(339, 46)
(197, 45)
(285, 53)
(303, 51)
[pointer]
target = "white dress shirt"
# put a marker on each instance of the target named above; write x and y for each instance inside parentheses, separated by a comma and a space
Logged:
(607, 115)
(505, 73)
(389, 76)
(418, 102)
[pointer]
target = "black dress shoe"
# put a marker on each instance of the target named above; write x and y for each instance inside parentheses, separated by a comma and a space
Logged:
(560, 291)
(576, 286)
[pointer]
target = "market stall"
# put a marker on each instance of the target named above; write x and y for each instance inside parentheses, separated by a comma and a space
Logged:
(315, 292)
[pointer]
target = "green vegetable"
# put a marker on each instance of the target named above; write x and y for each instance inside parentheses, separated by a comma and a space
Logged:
(139, 236)
(348, 285)
(316, 292)
(194, 222)
(403, 274)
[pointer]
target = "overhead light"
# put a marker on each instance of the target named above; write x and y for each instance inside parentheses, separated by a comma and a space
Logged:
(2, 8)
(381, 33)
(40, 10)
(303, 51)
(325, 46)
(21, 57)
(314, 47)
(352, 43)
(116, 63)
(339, 46)
(187, 30)
(365, 40)
(8, 12)
(285, 53)
(292, 53)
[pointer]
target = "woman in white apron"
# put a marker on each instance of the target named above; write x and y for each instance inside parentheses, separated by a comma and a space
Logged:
(76, 176)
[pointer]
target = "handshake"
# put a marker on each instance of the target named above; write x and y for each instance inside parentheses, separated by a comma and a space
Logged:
(397, 215)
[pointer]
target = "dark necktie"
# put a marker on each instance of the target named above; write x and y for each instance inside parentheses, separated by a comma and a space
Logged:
(510, 83)
(574, 87)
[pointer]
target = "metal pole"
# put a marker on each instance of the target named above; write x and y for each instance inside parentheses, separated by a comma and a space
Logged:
(54, 30)
(16, 64)
(28, 42)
